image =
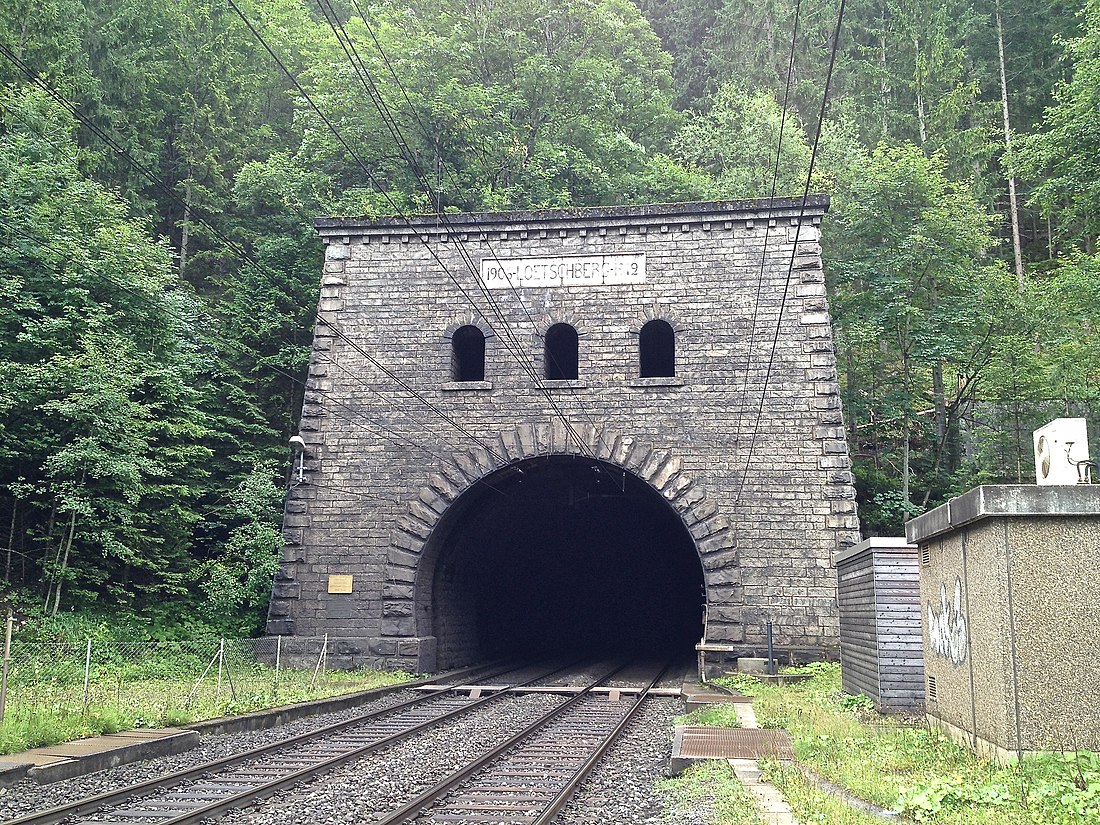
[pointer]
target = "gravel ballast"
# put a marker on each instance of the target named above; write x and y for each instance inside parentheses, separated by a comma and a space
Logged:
(361, 792)
(624, 786)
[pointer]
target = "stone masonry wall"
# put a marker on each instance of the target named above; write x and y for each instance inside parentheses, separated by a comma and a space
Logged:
(766, 528)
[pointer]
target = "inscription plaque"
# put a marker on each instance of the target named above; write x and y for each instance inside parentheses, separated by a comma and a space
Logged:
(339, 583)
(564, 270)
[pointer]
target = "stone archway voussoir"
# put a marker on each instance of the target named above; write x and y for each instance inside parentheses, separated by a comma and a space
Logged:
(659, 468)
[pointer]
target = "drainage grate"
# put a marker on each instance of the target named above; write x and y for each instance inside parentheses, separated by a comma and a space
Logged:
(732, 743)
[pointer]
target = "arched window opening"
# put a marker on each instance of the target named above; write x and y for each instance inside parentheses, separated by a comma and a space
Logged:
(561, 353)
(657, 350)
(468, 354)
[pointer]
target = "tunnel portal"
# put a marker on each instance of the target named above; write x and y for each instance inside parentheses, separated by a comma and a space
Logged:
(561, 554)
(456, 515)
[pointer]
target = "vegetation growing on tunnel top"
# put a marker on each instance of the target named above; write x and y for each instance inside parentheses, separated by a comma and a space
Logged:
(897, 765)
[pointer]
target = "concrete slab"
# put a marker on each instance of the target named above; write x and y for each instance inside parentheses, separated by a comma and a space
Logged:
(12, 772)
(56, 762)
(108, 742)
(37, 756)
(140, 734)
(694, 701)
(990, 501)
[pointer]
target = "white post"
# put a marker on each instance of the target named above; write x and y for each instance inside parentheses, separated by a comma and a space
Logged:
(221, 665)
(87, 671)
(319, 667)
(198, 682)
(278, 659)
(7, 666)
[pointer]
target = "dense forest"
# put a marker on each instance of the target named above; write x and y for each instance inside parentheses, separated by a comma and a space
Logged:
(161, 161)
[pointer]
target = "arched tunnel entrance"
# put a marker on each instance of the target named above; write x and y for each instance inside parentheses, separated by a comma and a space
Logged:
(560, 554)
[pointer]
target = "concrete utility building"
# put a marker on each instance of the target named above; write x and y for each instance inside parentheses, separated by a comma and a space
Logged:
(616, 427)
(1008, 581)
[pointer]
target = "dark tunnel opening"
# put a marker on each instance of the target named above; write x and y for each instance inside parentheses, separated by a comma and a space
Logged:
(561, 555)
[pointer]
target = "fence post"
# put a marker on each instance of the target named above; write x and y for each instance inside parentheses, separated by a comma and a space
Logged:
(278, 662)
(7, 665)
(199, 681)
(321, 660)
(229, 676)
(221, 664)
(87, 672)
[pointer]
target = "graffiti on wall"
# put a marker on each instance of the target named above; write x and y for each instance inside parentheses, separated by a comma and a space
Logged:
(947, 627)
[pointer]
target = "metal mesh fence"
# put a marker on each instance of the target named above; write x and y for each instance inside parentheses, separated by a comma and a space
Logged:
(59, 690)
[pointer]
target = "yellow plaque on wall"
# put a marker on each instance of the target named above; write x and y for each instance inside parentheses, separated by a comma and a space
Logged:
(339, 584)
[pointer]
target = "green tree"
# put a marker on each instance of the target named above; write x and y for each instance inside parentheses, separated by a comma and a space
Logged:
(917, 303)
(507, 104)
(1063, 161)
(95, 383)
(108, 444)
(735, 142)
(237, 582)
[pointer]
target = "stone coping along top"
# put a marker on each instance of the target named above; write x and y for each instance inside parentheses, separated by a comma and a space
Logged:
(990, 501)
(751, 209)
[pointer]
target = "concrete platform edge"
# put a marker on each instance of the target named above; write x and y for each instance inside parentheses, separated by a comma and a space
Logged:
(123, 755)
(12, 771)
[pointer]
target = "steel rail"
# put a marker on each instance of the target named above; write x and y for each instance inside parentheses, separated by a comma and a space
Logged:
(433, 794)
(554, 808)
(144, 789)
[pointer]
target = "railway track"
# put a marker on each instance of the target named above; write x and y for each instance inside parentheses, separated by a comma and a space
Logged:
(526, 778)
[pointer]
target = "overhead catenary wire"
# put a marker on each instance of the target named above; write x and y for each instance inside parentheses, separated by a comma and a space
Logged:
(399, 213)
(428, 137)
(243, 255)
(794, 250)
(744, 400)
(217, 342)
(377, 98)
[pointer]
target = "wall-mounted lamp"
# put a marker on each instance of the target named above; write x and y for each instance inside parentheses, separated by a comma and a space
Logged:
(298, 445)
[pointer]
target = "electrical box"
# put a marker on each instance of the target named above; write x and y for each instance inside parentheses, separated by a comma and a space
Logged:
(1059, 446)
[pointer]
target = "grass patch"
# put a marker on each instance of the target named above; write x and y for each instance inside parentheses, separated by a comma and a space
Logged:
(808, 804)
(713, 716)
(46, 713)
(712, 786)
(910, 769)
